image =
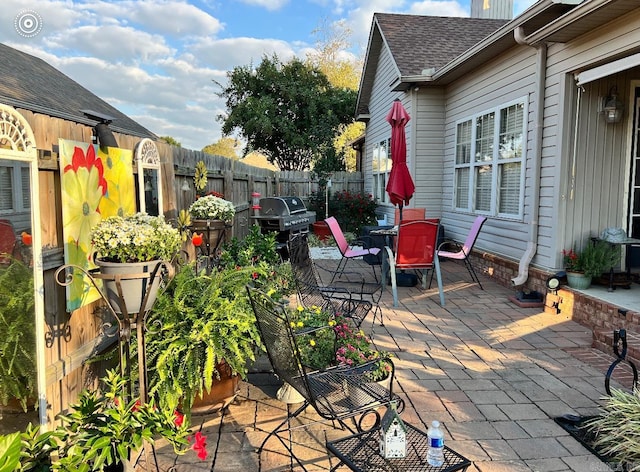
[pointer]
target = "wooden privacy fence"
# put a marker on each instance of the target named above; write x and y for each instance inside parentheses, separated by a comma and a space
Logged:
(238, 181)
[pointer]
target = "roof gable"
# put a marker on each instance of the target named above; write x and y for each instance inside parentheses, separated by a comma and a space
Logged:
(430, 42)
(29, 82)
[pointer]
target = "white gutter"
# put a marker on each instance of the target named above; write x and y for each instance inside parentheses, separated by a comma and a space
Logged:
(532, 245)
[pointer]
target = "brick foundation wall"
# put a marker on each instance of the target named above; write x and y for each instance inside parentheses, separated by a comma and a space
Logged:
(599, 316)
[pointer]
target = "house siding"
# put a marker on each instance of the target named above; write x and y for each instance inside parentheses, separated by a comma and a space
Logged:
(378, 129)
(428, 128)
(507, 78)
(598, 196)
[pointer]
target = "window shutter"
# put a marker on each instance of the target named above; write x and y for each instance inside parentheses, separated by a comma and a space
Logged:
(6, 189)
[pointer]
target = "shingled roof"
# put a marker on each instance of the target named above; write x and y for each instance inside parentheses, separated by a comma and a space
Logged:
(418, 43)
(423, 42)
(30, 83)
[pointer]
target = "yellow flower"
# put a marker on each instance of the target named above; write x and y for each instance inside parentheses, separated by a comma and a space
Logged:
(293, 325)
(300, 308)
(332, 323)
(312, 342)
(300, 324)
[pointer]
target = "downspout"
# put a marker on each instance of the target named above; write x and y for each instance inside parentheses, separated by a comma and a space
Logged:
(532, 245)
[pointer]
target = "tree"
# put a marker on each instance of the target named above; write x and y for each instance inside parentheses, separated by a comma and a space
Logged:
(343, 70)
(170, 140)
(288, 111)
(225, 146)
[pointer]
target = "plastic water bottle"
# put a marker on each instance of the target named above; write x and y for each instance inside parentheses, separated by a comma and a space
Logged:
(435, 453)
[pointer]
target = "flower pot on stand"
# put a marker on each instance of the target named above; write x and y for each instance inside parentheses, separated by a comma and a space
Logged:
(578, 280)
(137, 279)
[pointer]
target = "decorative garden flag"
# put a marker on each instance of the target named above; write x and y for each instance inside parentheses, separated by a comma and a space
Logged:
(95, 185)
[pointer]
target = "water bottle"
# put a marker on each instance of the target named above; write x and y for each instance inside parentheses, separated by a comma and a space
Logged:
(435, 453)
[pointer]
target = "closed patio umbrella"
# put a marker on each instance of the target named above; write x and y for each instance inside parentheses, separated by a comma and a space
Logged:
(400, 186)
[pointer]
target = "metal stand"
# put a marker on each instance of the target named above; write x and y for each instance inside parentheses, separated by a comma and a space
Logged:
(207, 254)
(620, 337)
(127, 322)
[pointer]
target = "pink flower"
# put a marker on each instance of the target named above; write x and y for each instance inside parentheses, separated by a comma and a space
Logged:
(179, 418)
(200, 445)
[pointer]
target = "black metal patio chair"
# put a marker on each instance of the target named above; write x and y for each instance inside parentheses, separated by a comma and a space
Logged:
(353, 298)
(340, 394)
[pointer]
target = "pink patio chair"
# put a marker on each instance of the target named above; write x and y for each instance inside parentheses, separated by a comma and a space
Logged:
(463, 252)
(347, 251)
(415, 250)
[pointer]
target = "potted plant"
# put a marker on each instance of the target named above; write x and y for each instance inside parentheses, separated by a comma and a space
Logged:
(210, 215)
(596, 258)
(133, 244)
(17, 336)
(206, 329)
(102, 432)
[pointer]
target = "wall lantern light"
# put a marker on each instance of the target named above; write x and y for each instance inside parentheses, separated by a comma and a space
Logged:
(613, 107)
(101, 132)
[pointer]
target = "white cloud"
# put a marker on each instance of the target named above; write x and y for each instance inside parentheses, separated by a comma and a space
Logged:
(439, 8)
(268, 4)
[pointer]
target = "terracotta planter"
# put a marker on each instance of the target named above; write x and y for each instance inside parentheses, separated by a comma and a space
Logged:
(133, 289)
(321, 230)
(578, 280)
(223, 392)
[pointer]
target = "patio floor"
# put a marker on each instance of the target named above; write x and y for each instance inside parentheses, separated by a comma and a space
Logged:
(494, 374)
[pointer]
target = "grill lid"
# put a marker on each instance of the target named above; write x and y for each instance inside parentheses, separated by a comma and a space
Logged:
(281, 206)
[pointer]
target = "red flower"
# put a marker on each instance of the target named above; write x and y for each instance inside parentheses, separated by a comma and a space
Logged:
(89, 160)
(179, 418)
(27, 239)
(196, 239)
(200, 445)
(255, 276)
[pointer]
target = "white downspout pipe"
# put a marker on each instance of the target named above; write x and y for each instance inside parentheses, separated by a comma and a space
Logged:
(532, 245)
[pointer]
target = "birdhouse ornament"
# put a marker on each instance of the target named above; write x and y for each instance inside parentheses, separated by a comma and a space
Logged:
(393, 435)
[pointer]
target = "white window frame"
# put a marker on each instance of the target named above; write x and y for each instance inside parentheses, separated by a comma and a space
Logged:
(496, 163)
(381, 167)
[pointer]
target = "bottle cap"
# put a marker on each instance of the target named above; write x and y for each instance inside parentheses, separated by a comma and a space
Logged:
(435, 423)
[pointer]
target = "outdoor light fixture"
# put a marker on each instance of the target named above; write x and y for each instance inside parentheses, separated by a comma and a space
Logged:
(101, 132)
(613, 107)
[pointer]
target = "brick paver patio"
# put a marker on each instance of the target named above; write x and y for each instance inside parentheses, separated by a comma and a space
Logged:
(494, 374)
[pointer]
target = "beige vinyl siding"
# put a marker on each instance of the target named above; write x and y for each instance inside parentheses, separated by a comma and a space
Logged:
(599, 197)
(378, 129)
(428, 127)
(506, 79)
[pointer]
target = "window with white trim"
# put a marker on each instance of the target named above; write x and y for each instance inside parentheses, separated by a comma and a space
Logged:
(381, 170)
(489, 158)
(14, 187)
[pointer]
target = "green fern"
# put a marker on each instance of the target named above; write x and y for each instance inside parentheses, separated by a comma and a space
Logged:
(200, 320)
(17, 334)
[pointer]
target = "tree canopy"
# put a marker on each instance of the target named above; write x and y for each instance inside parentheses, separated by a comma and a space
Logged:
(225, 146)
(288, 111)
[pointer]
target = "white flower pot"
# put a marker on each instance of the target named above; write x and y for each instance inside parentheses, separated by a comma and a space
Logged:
(135, 281)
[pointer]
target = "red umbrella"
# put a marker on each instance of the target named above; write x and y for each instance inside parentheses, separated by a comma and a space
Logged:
(400, 186)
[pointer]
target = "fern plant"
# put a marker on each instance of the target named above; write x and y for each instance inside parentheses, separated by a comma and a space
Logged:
(201, 319)
(17, 334)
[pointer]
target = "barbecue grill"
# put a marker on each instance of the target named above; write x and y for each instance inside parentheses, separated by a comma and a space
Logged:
(287, 216)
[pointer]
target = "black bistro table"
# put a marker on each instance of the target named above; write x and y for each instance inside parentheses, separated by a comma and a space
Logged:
(361, 453)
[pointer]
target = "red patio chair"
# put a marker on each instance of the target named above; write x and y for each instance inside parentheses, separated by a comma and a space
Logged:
(465, 250)
(410, 214)
(8, 241)
(347, 251)
(415, 250)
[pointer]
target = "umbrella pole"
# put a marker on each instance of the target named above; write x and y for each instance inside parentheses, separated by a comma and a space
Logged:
(400, 213)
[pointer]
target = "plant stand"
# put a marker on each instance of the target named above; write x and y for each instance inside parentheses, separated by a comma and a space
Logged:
(120, 310)
(213, 235)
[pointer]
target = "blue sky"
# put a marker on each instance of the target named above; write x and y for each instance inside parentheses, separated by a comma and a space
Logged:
(156, 60)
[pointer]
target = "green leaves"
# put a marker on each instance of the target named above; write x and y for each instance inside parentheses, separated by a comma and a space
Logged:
(289, 111)
(9, 452)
